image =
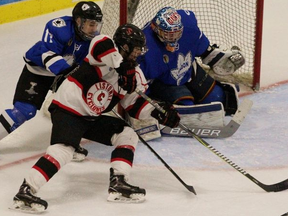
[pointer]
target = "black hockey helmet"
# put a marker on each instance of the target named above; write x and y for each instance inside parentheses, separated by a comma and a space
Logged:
(132, 36)
(87, 10)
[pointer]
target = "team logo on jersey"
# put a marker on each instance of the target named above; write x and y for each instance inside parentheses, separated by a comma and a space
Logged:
(183, 65)
(31, 91)
(166, 59)
(99, 97)
(58, 22)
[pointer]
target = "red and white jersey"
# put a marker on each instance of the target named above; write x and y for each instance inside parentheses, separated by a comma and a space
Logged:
(93, 89)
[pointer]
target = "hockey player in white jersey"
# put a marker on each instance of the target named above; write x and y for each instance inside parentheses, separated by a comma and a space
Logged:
(108, 75)
(174, 40)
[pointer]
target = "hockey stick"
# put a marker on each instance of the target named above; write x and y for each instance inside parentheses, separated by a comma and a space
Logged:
(213, 132)
(269, 188)
(189, 187)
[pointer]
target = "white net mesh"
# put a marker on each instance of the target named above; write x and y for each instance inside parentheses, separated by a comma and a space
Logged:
(224, 22)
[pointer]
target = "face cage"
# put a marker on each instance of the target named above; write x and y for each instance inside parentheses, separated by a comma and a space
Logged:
(169, 38)
(143, 49)
(170, 46)
(88, 37)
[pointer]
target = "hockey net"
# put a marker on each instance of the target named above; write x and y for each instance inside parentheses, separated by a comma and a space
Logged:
(225, 22)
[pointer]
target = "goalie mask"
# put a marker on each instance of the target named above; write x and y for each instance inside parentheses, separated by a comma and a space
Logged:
(168, 27)
(88, 19)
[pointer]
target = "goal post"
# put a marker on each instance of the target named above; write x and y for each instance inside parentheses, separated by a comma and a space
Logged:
(226, 23)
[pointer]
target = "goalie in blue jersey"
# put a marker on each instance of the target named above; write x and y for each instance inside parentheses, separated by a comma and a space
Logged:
(174, 40)
(64, 45)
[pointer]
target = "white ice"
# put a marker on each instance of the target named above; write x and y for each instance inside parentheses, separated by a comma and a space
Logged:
(259, 147)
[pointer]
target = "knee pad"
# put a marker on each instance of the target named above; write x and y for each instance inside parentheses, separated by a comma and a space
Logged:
(61, 153)
(185, 101)
(127, 137)
(217, 94)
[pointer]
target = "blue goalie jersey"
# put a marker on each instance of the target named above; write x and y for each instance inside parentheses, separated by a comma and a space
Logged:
(58, 50)
(174, 68)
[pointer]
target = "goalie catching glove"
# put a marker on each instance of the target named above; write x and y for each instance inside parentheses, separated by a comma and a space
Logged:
(223, 62)
(170, 118)
(127, 79)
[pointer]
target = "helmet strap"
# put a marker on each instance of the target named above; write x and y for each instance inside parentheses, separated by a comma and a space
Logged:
(126, 52)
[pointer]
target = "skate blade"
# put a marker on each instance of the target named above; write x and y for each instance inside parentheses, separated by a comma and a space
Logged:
(134, 198)
(21, 207)
(77, 157)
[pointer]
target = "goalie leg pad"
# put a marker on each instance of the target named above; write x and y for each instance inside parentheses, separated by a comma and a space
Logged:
(199, 116)
(148, 129)
(211, 114)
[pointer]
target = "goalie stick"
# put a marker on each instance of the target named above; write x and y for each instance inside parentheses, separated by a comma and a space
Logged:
(213, 132)
(188, 187)
(280, 186)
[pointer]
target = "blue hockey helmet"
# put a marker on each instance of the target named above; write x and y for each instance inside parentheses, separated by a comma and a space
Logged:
(168, 27)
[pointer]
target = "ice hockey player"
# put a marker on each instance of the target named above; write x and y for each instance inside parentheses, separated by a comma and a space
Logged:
(64, 45)
(108, 75)
(174, 76)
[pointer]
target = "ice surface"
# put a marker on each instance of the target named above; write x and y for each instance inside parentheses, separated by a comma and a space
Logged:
(259, 146)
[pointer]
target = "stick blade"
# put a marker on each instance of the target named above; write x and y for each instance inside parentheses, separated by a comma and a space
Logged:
(281, 186)
(191, 189)
(242, 111)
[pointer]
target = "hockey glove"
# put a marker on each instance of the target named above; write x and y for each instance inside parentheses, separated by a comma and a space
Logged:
(170, 118)
(62, 76)
(224, 62)
(127, 79)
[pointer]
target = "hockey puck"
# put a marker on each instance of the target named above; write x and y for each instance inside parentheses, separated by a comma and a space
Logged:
(235, 48)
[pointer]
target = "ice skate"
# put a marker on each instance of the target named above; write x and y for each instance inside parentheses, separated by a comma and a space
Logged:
(121, 191)
(25, 201)
(79, 154)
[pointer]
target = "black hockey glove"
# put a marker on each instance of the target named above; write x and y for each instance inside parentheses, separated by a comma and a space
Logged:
(171, 116)
(127, 79)
(62, 76)
(70, 70)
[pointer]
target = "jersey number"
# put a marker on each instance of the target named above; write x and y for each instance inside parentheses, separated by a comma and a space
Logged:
(48, 36)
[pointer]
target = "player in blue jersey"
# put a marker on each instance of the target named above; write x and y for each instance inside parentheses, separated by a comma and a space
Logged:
(65, 43)
(174, 40)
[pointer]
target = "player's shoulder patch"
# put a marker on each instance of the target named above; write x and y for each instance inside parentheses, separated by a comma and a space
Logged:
(58, 22)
